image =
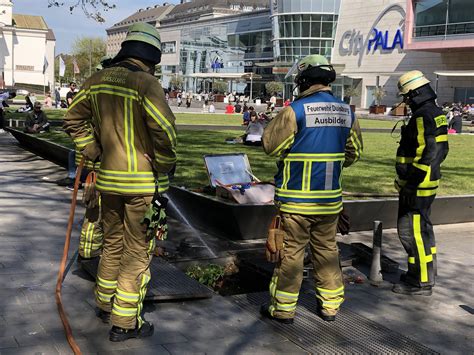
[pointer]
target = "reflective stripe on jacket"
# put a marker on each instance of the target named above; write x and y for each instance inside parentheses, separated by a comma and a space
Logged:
(123, 110)
(423, 147)
(314, 137)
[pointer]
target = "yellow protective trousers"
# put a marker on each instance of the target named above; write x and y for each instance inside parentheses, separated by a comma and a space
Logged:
(320, 232)
(92, 235)
(124, 273)
(416, 234)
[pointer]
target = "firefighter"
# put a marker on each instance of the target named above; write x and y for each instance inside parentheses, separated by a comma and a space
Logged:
(314, 137)
(423, 147)
(134, 135)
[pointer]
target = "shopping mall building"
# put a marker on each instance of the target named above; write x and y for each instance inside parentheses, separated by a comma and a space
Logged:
(377, 40)
(371, 42)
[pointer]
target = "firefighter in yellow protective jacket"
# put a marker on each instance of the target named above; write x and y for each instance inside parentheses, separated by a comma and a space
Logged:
(134, 134)
(315, 137)
(423, 147)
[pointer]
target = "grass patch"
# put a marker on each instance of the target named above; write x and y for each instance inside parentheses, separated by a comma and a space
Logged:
(374, 173)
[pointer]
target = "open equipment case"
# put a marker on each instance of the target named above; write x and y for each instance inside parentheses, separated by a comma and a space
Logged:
(232, 177)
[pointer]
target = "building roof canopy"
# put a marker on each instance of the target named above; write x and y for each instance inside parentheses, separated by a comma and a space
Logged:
(229, 76)
(29, 22)
(455, 73)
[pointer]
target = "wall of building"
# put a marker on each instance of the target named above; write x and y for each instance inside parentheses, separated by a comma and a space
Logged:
(355, 35)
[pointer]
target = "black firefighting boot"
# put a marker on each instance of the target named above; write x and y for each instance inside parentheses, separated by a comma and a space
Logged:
(326, 315)
(103, 315)
(117, 334)
(411, 290)
(266, 313)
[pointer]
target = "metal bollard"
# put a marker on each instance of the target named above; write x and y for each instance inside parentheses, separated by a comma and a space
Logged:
(375, 277)
(17, 123)
(10, 123)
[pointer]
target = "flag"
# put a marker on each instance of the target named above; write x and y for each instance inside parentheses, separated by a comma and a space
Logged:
(45, 65)
(76, 67)
(62, 66)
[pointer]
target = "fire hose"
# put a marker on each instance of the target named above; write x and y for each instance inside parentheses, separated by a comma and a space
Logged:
(62, 314)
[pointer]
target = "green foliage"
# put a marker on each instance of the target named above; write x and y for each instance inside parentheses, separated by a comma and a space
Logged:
(274, 86)
(85, 48)
(220, 86)
(379, 94)
(176, 82)
(208, 275)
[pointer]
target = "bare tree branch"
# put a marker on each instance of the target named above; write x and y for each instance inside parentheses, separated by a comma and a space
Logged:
(91, 8)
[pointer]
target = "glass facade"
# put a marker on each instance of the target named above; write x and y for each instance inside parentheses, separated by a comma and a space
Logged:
(444, 18)
(227, 45)
(304, 27)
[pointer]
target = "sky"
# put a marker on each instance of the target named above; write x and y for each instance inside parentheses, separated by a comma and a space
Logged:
(67, 27)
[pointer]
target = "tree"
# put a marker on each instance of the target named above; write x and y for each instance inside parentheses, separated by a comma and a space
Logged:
(84, 49)
(176, 82)
(350, 92)
(92, 8)
(379, 94)
(220, 86)
(274, 86)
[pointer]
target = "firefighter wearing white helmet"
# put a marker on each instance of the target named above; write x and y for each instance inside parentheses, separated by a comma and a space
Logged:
(121, 116)
(423, 147)
(313, 138)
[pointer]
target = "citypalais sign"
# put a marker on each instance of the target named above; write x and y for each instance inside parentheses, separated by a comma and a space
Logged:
(353, 41)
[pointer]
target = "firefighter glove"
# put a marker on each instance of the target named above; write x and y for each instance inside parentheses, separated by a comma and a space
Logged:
(92, 151)
(90, 196)
(408, 196)
(274, 250)
(155, 222)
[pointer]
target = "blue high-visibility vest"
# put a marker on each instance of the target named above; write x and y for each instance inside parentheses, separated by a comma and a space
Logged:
(310, 173)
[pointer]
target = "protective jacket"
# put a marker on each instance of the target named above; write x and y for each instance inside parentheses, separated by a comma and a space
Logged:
(107, 115)
(423, 147)
(315, 137)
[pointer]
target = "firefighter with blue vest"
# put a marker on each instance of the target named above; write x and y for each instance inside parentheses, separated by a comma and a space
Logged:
(314, 138)
(121, 116)
(423, 147)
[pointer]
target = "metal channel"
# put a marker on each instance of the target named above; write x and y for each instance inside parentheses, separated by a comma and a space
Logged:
(351, 333)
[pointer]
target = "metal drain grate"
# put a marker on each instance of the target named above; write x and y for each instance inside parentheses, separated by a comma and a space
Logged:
(167, 282)
(350, 334)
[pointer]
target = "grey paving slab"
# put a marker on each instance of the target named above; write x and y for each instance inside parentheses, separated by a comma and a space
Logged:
(8, 342)
(29, 261)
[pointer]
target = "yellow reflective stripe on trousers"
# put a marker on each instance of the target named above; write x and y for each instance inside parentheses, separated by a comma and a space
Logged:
(127, 296)
(161, 120)
(309, 194)
(283, 146)
(420, 138)
(106, 283)
(142, 292)
(287, 295)
(442, 138)
(88, 237)
(411, 259)
(273, 285)
(287, 307)
(104, 297)
(325, 291)
(307, 209)
(423, 167)
(433, 250)
(125, 188)
(124, 311)
(332, 304)
(420, 247)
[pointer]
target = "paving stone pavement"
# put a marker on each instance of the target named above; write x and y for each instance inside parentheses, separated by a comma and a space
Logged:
(33, 216)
